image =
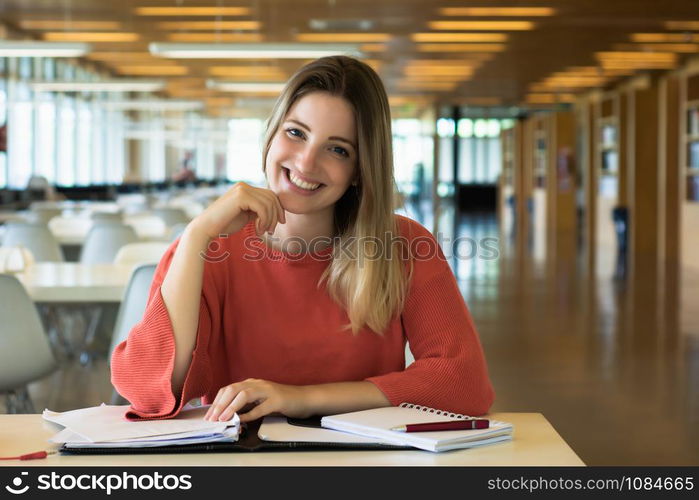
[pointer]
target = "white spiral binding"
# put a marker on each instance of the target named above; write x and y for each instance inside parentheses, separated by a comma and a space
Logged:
(434, 411)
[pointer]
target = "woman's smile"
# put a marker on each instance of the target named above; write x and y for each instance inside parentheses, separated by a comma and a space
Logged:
(305, 185)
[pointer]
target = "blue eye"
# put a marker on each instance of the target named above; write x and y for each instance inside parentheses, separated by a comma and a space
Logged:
(340, 150)
(294, 132)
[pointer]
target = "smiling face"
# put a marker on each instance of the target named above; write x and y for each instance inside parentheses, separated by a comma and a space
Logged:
(312, 158)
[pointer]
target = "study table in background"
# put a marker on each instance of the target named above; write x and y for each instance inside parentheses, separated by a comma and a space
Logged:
(535, 443)
(70, 282)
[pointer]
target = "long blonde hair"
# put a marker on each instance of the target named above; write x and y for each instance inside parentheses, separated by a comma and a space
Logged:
(372, 286)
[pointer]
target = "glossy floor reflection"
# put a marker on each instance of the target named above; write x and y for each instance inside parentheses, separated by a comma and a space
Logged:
(613, 364)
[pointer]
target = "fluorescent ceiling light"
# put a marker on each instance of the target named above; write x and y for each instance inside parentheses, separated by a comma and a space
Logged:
(154, 105)
(151, 70)
(209, 25)
(682, 25)
(252, 87)
(216, 37)
(66, 24)
(12, 48)
(249, 72)
(459, 37)
(665, 37)
(118, 85)
(91, 36)
(461, 47)
(192, 11)
(498, 11)
(343, 37)
(482, 25)
(250, 50)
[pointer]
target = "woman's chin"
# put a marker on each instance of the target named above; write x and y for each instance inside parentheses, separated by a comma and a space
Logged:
(290, 203)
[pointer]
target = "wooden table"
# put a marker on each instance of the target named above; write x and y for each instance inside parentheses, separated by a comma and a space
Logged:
(71, 282)
(535, 443)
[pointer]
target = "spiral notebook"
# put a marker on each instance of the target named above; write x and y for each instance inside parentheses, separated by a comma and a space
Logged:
(377, 423)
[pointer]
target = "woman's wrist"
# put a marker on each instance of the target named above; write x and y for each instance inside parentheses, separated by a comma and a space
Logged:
(196, 235)
(341, 397)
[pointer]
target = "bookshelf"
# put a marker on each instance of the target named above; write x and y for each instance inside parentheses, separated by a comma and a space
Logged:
(689, 164)
(540, 152)
(508, 156)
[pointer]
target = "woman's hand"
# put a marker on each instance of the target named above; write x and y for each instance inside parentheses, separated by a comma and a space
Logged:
(264, 396)
(238, 206)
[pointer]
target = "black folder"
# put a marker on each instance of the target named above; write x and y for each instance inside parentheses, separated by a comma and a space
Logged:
(248, 441)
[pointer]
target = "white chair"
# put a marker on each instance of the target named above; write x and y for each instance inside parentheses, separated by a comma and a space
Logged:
(106, 217)
(171, 215)
(25, 353)
(141, 253)
(36, 238)
(15, 259)
(43, 215)
(147, 225)
(104, 241)
(131, 310)
(70, 228)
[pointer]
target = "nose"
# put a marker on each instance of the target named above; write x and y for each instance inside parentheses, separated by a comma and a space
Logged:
(307, 160)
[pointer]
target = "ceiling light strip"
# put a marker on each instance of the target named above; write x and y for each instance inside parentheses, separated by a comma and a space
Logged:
(116, 85)
(12, 48)
(249, 51)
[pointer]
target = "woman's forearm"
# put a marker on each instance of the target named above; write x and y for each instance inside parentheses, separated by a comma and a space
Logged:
(343, 397)
(181, 292)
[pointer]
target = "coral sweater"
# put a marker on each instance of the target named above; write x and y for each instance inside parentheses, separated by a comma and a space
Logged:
(263, 316)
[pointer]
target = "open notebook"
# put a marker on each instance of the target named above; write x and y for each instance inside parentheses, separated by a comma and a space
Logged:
(377, 423)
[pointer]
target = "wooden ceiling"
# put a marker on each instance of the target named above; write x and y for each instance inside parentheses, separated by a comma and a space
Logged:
(555, 57)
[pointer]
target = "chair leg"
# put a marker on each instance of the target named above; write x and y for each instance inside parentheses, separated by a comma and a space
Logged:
(18, 401)
(55, 326)
(94, 314)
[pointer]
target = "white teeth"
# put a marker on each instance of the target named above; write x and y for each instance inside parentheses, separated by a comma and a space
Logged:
(302, 184)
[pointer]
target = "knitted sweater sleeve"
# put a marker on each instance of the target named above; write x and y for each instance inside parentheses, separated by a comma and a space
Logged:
(142, 365)
(449, 372)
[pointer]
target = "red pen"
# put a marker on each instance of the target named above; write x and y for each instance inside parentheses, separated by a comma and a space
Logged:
(451, 425)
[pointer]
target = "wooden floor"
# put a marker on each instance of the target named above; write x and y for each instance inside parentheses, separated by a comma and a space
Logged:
(612, 362)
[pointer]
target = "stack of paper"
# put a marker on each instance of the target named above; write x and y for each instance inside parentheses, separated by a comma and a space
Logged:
(106, 427)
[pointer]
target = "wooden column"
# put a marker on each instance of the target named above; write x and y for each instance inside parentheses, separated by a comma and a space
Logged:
(642, 180)
(669, 202)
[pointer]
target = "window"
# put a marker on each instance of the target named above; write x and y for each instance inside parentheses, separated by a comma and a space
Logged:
(66, 142)
(480, 149)
(19, 123)
(45, 144)
(115, 147)
(408, 155)
(83, 142)
(244, 162)
(19, 136)
(98, 153)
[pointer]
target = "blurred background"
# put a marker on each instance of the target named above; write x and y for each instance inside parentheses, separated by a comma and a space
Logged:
(552, 147)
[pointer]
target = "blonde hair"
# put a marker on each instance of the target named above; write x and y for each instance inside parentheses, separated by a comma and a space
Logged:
(372, 286)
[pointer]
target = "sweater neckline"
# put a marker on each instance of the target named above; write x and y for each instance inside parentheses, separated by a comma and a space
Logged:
(324, 255)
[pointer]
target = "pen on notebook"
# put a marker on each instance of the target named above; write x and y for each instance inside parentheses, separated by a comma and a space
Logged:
(451, 425)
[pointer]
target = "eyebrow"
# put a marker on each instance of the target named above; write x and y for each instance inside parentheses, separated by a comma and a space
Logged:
(332, 138)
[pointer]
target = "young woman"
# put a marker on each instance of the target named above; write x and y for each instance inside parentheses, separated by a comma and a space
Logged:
(299, 298)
